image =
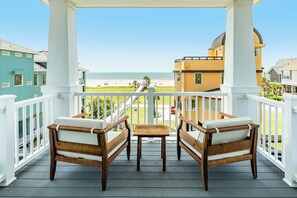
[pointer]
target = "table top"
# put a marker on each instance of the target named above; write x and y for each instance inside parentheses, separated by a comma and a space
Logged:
(151, 130)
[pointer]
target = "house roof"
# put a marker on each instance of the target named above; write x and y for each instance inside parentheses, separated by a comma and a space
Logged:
(277, 69)
(220, 40)
(39, 68)
(5, 45)
(284, 64)
(41, 57)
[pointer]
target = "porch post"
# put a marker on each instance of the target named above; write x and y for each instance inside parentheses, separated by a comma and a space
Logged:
(62, 71)
(240, 65)
(7, 139)
(290, 139)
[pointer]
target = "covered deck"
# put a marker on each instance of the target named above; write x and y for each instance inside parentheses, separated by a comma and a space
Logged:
(181, 179)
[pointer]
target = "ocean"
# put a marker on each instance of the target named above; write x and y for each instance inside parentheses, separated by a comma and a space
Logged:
(129, 75)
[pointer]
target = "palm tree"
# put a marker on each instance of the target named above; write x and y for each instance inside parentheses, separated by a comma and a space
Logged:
(134, 84)
(147, 81)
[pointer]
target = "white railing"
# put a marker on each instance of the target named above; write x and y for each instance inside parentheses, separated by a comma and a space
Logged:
(31, 134)
(152, 107)
(23, 132)
(270, 115)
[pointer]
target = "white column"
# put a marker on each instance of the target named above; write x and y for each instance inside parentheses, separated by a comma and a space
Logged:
(240, 65)
(7, 139)
(62, 73)
(290, 139)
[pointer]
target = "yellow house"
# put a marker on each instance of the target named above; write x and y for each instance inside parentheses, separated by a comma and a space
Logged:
(206, 74)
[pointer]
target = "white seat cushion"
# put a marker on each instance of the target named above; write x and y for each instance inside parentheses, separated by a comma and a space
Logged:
(111, 135)
(84, 138)
(226, 137)
(196, 134)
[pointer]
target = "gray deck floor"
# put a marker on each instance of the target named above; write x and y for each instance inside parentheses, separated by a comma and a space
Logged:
(182, 178)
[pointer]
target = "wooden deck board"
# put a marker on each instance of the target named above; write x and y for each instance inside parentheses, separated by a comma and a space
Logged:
(181, 179)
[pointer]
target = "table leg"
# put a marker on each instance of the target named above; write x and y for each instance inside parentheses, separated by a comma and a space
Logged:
(140, 147)
(138, 152)
(163, 148)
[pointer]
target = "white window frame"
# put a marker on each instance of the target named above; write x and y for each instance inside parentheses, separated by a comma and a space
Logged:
(18, 54)
(287, 74)
(195, 78)
(177, 77)
(29, 56)
(5, 53)
(36, 79)
(193, 103)
(21, 81)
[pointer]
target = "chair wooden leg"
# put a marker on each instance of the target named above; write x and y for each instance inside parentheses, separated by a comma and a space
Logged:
(204, 174)
(178, 149)
(254, 166)
(104, 175)
(128, 150)
(53, 168)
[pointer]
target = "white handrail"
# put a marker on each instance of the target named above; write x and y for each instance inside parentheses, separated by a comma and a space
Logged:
(266, 100)
(151, 106)
(34, 100)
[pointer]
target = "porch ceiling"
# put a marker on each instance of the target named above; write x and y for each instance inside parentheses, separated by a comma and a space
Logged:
(150, 3)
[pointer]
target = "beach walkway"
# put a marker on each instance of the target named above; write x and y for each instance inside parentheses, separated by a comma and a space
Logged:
(123, 107)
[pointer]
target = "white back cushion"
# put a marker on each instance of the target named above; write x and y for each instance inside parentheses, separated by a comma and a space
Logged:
(79, 137)
(226, 137)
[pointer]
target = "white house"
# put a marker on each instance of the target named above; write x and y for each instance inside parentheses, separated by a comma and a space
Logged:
(289, 75)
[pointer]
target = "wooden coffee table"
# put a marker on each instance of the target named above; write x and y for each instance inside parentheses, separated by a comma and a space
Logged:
(142, 130)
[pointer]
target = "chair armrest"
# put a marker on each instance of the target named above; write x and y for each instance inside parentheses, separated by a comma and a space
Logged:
(191, 123)
(82, 115)
(222, 115)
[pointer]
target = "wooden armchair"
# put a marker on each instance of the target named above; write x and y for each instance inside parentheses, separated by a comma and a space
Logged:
(218, 142)
(87, 142)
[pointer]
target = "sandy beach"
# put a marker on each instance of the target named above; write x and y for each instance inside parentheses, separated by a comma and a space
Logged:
(116, 82)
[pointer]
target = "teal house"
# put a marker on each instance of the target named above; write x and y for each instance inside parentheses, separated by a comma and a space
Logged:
(19, 74)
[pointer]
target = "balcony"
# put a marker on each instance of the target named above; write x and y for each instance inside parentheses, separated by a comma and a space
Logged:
(30, 164)
(24, 138)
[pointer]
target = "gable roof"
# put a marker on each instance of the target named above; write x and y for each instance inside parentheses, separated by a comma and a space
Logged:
(277, 69)
(5, 45)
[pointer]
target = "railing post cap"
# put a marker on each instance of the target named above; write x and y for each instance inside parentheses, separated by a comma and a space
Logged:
(7, 97)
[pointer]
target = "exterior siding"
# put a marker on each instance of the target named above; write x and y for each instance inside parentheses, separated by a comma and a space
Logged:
(23, 65)
(274, 77)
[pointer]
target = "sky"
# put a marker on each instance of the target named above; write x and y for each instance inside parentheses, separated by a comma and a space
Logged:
(148, 40)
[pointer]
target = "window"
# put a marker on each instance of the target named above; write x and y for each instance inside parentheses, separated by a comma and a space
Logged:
(18, 79)
(35, 79)
(222, 78)
(29, 55)
(198, 78)
(287, 75)
(18, 54)
(5, 53)
(43, 79)
(189, 105)
(257, 52)
(177, 77)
